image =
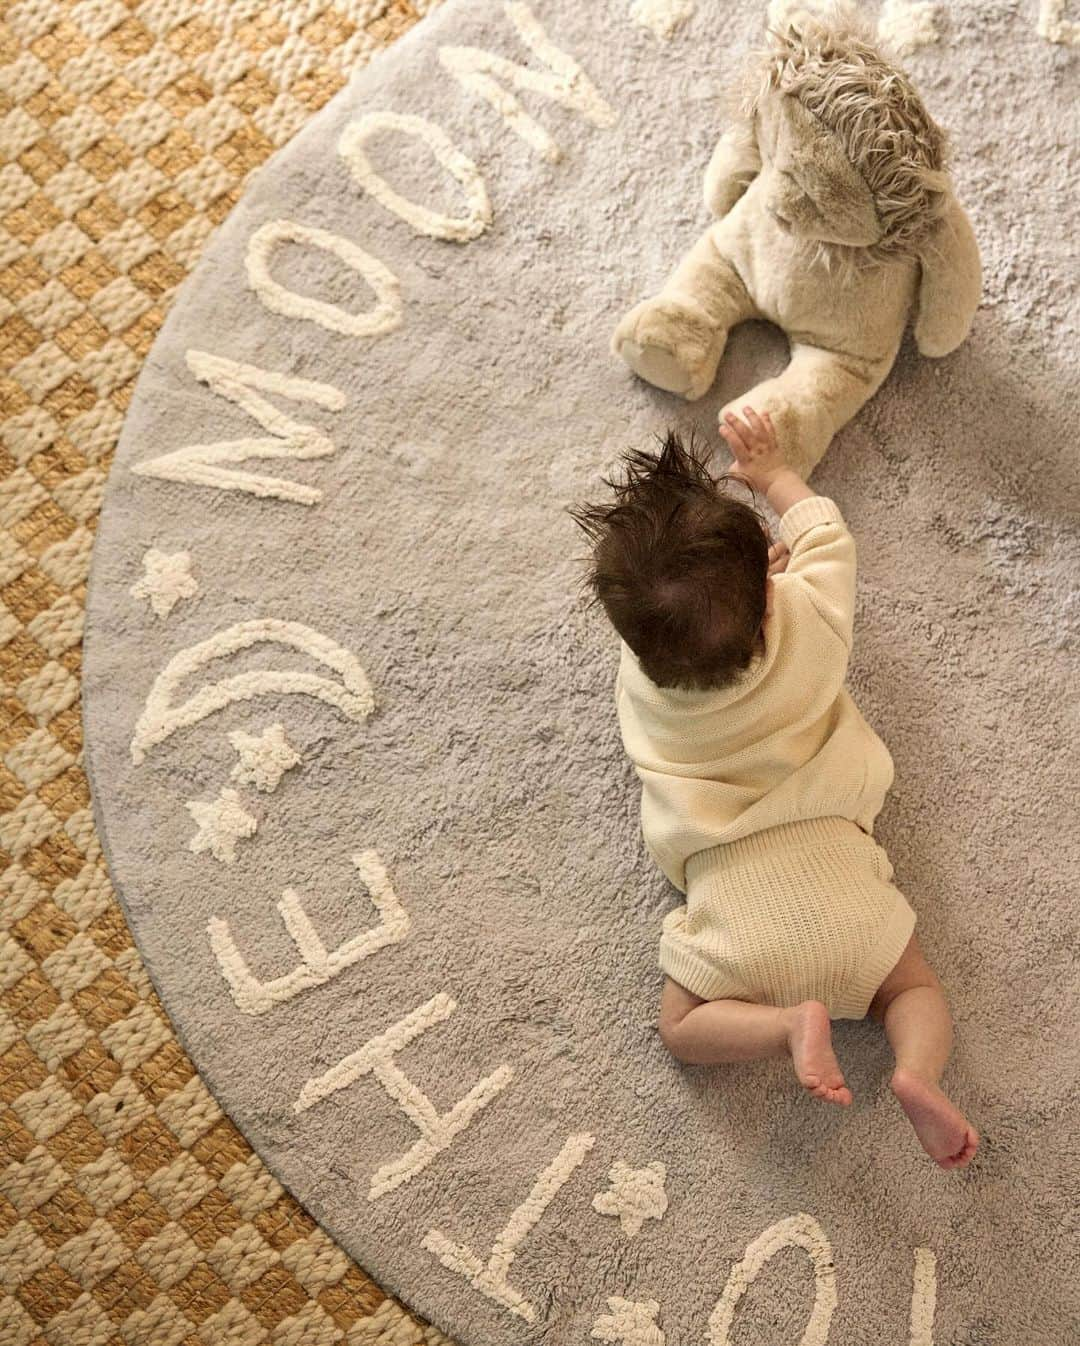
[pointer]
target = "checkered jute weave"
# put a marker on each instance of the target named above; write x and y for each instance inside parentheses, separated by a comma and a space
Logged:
(131, 1210)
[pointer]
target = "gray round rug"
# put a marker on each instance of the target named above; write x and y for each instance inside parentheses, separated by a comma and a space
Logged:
(352, 738)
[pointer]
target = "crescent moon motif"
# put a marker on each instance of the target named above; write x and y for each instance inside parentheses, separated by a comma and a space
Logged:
(161, 718)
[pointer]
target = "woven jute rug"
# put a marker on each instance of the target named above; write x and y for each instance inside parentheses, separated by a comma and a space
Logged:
(350, 728)
(131, 1210)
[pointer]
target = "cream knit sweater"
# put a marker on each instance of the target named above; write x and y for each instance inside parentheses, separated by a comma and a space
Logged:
(786, 742)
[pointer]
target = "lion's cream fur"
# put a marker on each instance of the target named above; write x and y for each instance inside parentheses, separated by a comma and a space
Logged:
(872, 108)
(836, 219)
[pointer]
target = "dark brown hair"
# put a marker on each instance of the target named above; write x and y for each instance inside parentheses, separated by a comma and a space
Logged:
(679, 566)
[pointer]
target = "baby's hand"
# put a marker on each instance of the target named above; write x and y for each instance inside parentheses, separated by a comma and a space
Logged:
(779, 556)
(758, 457)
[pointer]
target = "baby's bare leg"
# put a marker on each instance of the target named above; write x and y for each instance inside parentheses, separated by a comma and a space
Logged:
(912, 1006)
(718, 1032)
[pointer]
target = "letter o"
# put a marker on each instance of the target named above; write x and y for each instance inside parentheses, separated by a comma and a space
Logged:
(796, 1231)
(384, 317)
(458, 229)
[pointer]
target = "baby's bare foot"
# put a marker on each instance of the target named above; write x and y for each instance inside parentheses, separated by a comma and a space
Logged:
(810, 1044)
(944, 1132)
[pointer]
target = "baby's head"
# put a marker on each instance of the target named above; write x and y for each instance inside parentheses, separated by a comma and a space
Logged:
(680, 568)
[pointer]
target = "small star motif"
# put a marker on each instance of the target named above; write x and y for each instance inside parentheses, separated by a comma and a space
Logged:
(264, 758)
(909, 24)
(222, 823)
(635, 1195)
(167, 580)
(633, 1323)
(663, 17)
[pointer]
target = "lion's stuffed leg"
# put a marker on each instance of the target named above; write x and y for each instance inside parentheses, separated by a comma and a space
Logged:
(817, 393)
(675, 340)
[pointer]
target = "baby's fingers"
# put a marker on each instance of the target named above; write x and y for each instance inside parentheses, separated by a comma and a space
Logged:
(756, 424)
(779, 556)
(735, 433)
(762, 427)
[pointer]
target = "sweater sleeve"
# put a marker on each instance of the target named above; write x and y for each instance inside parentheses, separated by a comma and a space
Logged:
(823, 560)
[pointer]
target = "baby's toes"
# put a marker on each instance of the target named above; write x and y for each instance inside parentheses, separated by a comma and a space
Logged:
(965, 1154)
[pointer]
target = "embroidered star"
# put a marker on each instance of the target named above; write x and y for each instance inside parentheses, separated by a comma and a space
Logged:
(663, 17)
(264, 758)
(167, 580)
(222, 823)
(635, 1195)
(631, 1322)
(909, 24)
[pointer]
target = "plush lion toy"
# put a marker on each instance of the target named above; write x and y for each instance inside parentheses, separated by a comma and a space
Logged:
(835, 217)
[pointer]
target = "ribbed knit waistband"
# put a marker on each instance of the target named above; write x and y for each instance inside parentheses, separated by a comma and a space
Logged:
(806, 833)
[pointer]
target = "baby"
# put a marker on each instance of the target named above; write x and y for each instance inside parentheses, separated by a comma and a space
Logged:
(760, 779)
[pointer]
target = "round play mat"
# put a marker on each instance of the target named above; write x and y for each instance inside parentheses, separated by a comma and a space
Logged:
(351, 729)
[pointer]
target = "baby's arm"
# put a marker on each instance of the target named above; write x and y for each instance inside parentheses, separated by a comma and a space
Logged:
(822, 551)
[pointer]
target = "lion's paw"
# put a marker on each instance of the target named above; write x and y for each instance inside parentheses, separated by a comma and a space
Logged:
(671, 345)
(802, 435)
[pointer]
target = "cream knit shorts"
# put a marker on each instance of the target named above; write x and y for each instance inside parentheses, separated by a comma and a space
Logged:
(804, 911)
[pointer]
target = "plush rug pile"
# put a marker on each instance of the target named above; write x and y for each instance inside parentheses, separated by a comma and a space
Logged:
(351, 735)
